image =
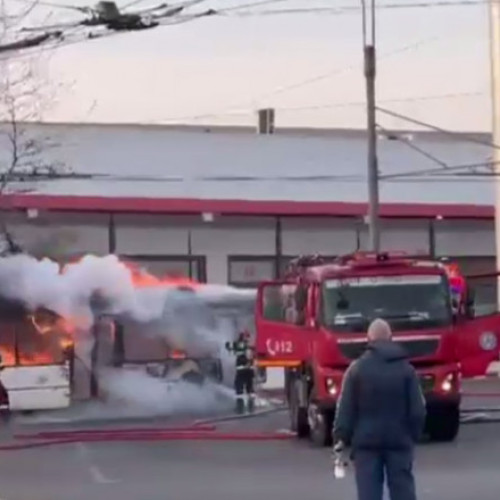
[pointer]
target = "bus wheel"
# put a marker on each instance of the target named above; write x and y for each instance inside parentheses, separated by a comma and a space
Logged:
(443, 422)
(320, 422)
(298, 415)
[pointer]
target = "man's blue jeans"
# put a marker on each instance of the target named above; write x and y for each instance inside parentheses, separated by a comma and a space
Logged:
(372, 466)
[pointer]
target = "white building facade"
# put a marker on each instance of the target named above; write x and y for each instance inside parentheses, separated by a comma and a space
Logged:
(230, 206)
(239, 249)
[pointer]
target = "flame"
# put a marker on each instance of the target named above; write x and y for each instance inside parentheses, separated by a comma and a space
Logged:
(177, 354)
(43, 336)
(142, 278)
(37, 358)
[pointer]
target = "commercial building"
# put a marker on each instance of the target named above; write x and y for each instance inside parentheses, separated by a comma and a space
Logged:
(231, 206)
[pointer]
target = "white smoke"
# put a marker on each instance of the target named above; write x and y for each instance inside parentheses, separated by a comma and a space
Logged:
(185, 320)
(137, 392)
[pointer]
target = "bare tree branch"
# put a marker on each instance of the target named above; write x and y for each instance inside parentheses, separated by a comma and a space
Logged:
(24, 97)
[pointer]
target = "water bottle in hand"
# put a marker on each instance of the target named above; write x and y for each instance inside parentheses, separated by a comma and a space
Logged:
(339, 469)
(339, 464)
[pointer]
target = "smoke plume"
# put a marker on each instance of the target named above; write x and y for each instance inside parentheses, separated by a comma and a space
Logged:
(138, 391)
(198, 323)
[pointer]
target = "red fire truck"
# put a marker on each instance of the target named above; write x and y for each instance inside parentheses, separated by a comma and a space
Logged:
(313, 323)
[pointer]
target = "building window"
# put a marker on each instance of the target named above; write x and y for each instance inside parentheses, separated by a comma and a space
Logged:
(192, 267)
(248, 272)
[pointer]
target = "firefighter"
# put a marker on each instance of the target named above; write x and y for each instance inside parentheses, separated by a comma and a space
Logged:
(245, 371)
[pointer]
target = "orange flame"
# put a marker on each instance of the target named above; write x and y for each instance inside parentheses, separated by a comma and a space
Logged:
(142, 278)
(177, 354)
(39, 338)
(43, 337)
(38, 358)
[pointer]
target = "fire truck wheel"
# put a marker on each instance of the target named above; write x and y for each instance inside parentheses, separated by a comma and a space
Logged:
(443, 422)
(320, 424)
(298, 416)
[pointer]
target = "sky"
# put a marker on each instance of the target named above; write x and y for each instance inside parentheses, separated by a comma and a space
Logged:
(433, 65)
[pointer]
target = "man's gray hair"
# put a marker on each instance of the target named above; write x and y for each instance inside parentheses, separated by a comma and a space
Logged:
(379, 329)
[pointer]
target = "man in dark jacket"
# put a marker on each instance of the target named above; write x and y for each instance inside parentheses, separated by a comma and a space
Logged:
(381, 415)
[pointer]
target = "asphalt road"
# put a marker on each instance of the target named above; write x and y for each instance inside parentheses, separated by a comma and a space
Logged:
(291, 470)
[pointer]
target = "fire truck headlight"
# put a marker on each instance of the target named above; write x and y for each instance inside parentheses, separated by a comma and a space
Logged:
(447, 384)
(331, 386)
(488, 341)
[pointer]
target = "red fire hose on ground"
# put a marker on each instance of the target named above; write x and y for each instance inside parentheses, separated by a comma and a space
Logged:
(199, 431)
(167, 435)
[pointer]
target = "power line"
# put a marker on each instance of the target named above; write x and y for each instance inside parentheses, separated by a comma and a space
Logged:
(43, 3)
(257, 3)
(123, 23)
(439, 170)
(107, 17)
(435, 97)
(417, 149)
(455, 135)
(346, 9)
(443, 169)
(418, 177)
(346, 69)
(243, 108)
(131, 4)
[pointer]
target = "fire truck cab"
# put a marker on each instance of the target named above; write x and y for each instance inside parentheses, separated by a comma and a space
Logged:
(313, 323)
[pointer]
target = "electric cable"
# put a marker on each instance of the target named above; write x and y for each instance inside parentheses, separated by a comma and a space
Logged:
(414, 147)
(172, 14)
(396, 100)
(242, 108)
(449, 170)
(455, 135)
(342, 9)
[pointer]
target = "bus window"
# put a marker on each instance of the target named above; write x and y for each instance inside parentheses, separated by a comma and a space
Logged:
(24, 342)
(7, 343)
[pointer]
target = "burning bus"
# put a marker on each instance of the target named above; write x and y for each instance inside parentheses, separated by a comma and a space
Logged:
(37, 358)
(179, 340)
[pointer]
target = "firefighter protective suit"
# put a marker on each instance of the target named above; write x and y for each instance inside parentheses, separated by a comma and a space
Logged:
(245, 371)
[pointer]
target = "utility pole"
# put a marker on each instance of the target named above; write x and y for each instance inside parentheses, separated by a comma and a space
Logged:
(369, 54)
(495, 115)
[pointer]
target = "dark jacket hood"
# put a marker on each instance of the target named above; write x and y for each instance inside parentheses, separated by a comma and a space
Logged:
(387, 350)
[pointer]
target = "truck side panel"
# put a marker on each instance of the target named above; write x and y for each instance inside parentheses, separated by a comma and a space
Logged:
(282, 337)
(478, 342)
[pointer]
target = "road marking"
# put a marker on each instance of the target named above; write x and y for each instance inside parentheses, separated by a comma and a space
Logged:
(286, 431)
(474, 417)
(95, 473)
(99, 477)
